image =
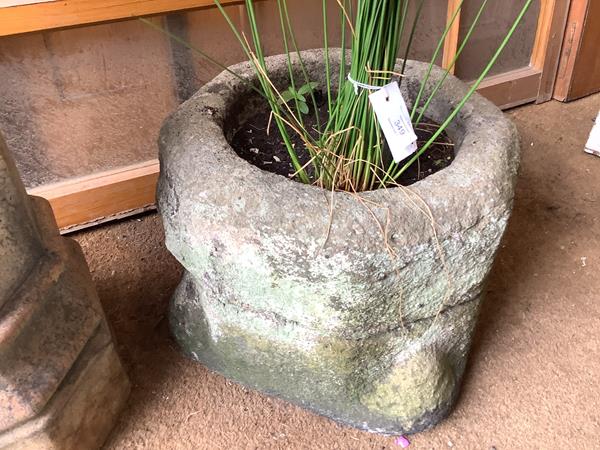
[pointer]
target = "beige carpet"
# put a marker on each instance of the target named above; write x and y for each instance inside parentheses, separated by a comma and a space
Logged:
(532, 381)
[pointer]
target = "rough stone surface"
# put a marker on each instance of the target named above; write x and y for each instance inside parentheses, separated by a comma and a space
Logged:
(61, 382)
(336, 325)
(19, 239)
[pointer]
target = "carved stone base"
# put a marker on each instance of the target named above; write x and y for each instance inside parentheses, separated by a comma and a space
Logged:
(61, 382)
(84, 408)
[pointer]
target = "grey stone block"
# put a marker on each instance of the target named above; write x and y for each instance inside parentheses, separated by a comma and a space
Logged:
(331, 320)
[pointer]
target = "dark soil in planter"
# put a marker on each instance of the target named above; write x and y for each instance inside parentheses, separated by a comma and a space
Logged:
(268, 152)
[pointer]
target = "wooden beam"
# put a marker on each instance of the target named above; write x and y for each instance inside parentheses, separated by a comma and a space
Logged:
(513, 88)
(548, 42)
(98, 198)
(451, 41)
(585, 78)
(543, 33)
(67, 13)
(571, 44)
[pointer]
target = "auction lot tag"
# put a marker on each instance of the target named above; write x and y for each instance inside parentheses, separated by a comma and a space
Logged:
(593, 143)
(392, 115)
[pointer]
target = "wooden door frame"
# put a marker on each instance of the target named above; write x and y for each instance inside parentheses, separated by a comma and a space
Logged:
(97, 198)
(573, 39)
(535, 82)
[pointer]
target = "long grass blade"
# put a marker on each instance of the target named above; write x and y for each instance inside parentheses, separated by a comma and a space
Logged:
(471, 91)
(453, 62)
(434, 58)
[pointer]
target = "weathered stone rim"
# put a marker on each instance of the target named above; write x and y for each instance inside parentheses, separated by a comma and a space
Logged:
(466, 125)
(474, 177)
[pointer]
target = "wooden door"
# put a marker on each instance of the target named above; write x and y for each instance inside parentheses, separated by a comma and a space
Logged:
(527, 69)
(579, 71)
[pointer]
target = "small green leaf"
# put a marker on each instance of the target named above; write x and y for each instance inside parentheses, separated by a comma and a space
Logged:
(286, 96)
(303, 107)
(301, 98)
(308, 87)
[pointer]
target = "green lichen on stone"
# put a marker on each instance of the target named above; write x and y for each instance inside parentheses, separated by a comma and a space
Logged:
(424, 382)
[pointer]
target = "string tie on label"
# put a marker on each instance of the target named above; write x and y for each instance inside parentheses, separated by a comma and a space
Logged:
(358, 84)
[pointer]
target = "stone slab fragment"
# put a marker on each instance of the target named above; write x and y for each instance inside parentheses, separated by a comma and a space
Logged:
(45, 326)
(19, 239)
(61, 382)
(85, 406)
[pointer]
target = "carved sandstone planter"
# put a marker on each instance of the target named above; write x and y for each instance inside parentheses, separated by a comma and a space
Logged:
(343, 329)
(62, 385)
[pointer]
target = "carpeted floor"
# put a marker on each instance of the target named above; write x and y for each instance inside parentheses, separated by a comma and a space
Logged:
(534, 372)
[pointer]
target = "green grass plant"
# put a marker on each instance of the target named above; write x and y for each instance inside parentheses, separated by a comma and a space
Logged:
(347, 151)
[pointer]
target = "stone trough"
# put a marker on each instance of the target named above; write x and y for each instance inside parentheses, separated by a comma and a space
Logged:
(331, 320)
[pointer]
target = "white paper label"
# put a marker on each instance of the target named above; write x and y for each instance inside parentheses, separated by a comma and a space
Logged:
(593, 143)
(394, 119)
